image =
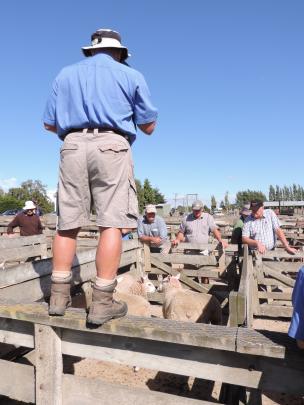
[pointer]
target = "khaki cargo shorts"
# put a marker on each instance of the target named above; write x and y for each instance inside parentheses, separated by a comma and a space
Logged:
(96, 169)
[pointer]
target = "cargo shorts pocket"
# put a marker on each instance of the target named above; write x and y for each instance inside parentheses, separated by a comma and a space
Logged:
(132, 198)
(68, 146)
(113, 148)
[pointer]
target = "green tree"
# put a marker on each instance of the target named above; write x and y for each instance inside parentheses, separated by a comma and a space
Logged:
(8, 202)
(149, 195)
(243, 197)
(32, 190)
(213, 203)
(226, 201)
(140, 195)
(271, 195)
(159, 197)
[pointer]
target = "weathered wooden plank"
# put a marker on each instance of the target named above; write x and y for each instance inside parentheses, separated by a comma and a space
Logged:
(275, 295)
(16, 333)
(275, 311)
(198, 260)
(250, 341)
(86, 391)
(288, 267)
(49, 366)
(21, 253)
(9, 243)
(17, 381)
(282, 254)
(178, 359)
(38, 287)
(183, 278)
(147, 258)
(233, 312)
(278, 276)
(212, 336)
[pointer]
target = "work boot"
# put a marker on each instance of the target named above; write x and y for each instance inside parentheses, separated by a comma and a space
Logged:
(60, 296)
(104, 307)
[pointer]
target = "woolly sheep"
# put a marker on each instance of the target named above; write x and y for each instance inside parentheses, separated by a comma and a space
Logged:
(127, 283)
(189, 306)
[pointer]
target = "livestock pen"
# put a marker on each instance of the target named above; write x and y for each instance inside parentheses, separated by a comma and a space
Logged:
(246, 361)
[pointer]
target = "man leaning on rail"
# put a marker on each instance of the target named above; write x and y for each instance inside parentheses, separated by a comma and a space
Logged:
(94, 107)
(262, 228)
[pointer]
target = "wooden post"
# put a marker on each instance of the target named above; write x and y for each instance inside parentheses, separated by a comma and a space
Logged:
(48, 365)
(147, 258)
(233, 308)
(139, 261)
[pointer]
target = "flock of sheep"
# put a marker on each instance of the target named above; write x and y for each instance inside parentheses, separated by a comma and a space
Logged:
(179, 303)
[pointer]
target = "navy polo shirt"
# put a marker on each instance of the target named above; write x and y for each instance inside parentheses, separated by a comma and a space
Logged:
(99, 92)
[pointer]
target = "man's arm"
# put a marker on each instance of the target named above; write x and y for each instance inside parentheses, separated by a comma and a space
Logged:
(51, 128)
(217, 234)
(12, 225)
(180, 237)
(147, 128)
(156, 240)
(280, 234)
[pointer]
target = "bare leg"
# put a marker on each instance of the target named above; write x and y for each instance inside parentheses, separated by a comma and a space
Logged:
(64, 249)
(108, 253)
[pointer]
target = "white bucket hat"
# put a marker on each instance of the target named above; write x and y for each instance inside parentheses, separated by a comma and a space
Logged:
(29, 205)
(105, 38)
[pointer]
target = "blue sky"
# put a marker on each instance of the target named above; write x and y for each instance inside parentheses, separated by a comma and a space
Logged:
(226, 76)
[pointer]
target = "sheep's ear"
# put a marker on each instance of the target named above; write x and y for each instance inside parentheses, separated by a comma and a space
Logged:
(177, 276)
(119, 279)
(144, 277)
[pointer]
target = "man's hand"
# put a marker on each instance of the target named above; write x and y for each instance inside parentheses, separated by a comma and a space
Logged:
(261, 248)
(175, 242)
(156, 240)
(290, 250)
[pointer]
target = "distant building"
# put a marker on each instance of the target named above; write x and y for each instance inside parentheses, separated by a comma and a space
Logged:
(286, 207)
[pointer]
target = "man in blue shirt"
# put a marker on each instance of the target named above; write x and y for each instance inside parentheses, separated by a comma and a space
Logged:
(296, 329)
(95, 106)
(152, 230)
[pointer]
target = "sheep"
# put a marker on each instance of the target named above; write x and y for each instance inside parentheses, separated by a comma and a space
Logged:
(127, 283)
(137, 305)
(189, 306)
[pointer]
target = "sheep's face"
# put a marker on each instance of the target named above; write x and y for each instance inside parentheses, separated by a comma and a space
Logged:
(148, 285)
(171, 281)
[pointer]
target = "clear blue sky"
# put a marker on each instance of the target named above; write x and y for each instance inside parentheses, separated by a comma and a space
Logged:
(226, 76)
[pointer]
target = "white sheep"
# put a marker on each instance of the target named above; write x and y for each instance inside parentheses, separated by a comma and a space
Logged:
(189, 306)
(127, 283)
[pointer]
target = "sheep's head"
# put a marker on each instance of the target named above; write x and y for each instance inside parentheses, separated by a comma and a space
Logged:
(148, 285)
(171, 281)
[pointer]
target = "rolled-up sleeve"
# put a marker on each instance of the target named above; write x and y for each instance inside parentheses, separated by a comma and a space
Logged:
(246, 230)
(144, 111)
(49, 116)
(211, 223)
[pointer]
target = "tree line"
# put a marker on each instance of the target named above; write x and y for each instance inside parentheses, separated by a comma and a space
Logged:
(15, 197)
(276, 193)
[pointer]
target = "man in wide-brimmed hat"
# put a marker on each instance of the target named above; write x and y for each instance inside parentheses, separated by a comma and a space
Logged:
(95, 107)
(27, 221)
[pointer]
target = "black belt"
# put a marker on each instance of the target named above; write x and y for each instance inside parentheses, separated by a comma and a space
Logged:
(101, 130)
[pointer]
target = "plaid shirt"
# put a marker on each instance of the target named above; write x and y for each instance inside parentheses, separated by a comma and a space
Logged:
(263, 229)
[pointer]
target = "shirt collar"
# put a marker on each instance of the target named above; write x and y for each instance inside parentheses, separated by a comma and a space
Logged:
(102, 56)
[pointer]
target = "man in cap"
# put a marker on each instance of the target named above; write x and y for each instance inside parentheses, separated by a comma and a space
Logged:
(95, 107)
(262, 228)
(27, 221)
(196, 227)
(236, 236)
(152, 229)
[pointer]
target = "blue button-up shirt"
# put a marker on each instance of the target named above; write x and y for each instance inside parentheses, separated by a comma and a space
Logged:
(99, 92)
